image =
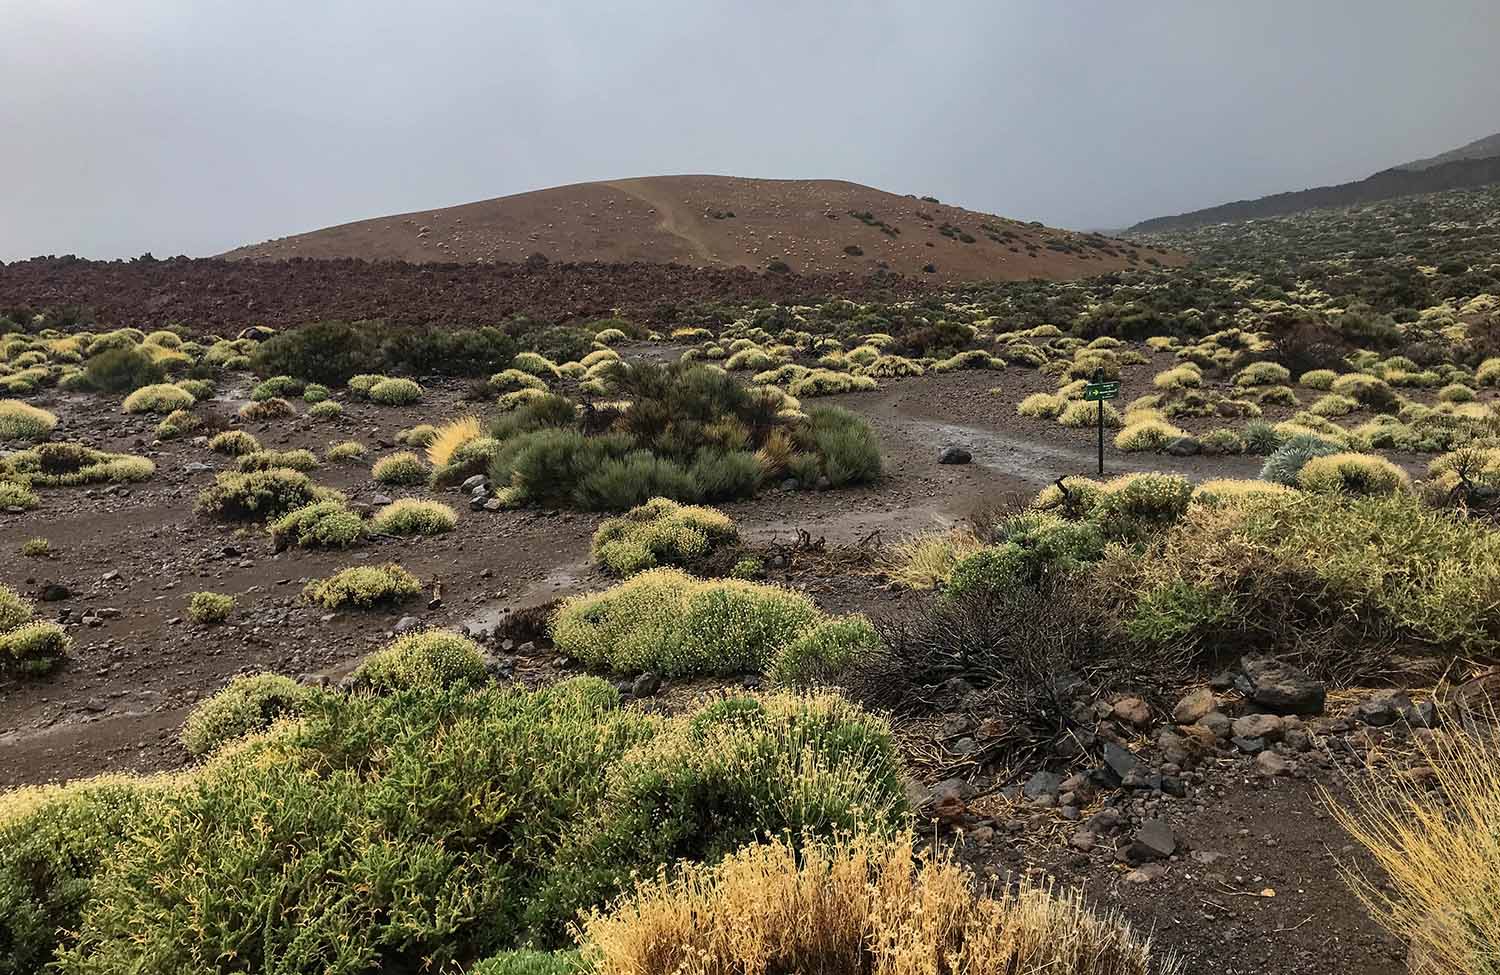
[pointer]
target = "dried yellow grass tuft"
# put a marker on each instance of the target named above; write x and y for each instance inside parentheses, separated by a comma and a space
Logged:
(866, 906)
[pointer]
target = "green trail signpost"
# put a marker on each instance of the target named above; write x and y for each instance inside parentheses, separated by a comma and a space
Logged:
(1097, 392)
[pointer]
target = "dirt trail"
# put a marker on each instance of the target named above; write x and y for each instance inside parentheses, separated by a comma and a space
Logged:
(667, 212)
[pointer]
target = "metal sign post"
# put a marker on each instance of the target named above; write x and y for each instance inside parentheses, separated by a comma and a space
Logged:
(1098, 391)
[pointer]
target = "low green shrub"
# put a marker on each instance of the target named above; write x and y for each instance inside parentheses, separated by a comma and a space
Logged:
(209, 607)
(22, 421)
(178, 423)
(157, 398)
(401, 468)
(363, 587)
(382, 832)
(395, 392)
(409, 516)
(248, 704)
(16, 494)
(64, 464)
(660, 532)
(259, 495)
(850, 451)
(1081, 414)
(665, 621)
(277, 386)
(265, 460)
(322, 524)
(1348, 473)
(33, 648)
(344, 451)
(325, 410)
(430, 660)
(1263, 374)
(235, 443)
(121, 370)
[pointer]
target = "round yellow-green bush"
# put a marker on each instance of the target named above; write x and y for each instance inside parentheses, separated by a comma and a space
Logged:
(14, 609)
(209, 607)
(345, 450)
(248, 704)
(1042, 406)
(363, 587)
(325, 409)
(430, 659)
(22, 421)
(402, 468)
(395, 392)
(1146, 435)
(409, 516)
(665, 621)
(260, 494)
(1081, 414)
(158, 398)
(261, 411)
(34, 648)
(235, 443)
(265, 460)
(1350, 473)
(323, 524)
(660, 532)
(1321, 379)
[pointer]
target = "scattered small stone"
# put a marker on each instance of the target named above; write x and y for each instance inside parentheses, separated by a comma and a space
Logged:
(1155, 840)
(646, 685)
(954, 454)
(1382, 709)
(1271, 765)
(1042, 784)
(1267, 726)
(407, 623)
(1197, 705)
(1133, 711)
(1183, 447)
(1280, 688)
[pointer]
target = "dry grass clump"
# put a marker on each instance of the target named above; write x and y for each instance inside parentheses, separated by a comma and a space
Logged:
(364, 587)
(1146, 435)
(325, 409)
(344, 451)
(22, 421)
(450, 436)
(859, 906)
(395, 392)
(660, 532)
(927, 561)
(265, 460)
(1081, 414)
(274, 408)
(1439, 851)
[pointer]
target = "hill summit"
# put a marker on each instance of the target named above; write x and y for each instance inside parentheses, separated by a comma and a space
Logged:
(805, 226)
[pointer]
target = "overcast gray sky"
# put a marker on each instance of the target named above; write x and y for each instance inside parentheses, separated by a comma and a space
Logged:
(191, 126)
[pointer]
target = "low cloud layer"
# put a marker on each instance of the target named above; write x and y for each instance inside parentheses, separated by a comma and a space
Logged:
(191, 126)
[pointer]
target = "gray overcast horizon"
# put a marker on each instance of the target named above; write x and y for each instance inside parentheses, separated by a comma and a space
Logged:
(193, 126)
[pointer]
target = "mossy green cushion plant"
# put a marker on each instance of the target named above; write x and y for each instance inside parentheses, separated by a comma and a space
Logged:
(235, 443)
(364, 587)
(660, 532)
(248, 704)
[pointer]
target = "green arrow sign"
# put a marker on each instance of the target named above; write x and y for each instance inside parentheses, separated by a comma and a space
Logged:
(1101, 391)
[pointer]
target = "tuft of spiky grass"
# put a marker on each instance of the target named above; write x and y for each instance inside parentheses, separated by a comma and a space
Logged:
(1439, 851)
(363, 587)
(449, 437)
(402, 467)
(859, 905)
(927, 561)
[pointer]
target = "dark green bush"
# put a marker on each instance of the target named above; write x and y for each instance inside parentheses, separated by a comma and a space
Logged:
(323, 352)
(622, 483)
(122, 370)
(260, 494)
(851, 454)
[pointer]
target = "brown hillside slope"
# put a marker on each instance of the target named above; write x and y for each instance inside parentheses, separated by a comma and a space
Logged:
(721, 221)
